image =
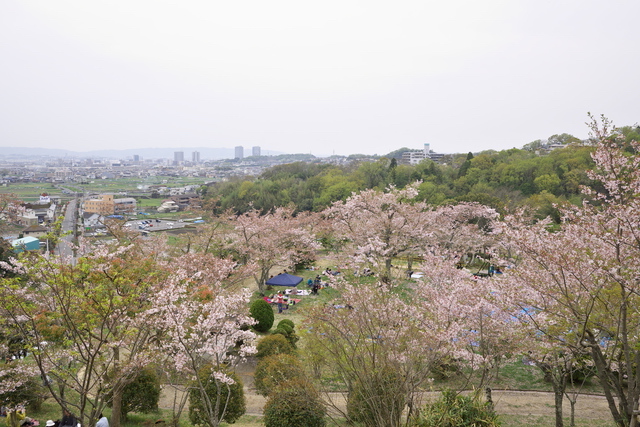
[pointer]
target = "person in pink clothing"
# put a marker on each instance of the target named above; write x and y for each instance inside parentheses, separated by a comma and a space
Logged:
(279, 301)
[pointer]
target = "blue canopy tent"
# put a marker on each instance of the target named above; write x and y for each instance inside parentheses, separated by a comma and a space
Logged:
(284, 279)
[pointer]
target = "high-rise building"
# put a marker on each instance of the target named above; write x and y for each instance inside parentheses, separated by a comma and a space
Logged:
(239, 152)
(195, 157)
(178, 156)
(255, 151)
(136, 158)
(427, 151)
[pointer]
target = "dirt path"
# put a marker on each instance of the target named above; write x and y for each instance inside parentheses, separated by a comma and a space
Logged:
(512, 402)
(506, 402)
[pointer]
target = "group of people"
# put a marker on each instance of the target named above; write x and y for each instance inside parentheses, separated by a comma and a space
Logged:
(315, 285)
(494, 269)
(18, 418)
(282, 301)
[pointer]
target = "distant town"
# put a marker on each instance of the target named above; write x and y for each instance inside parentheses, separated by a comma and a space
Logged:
(160, 188)
(79, 168)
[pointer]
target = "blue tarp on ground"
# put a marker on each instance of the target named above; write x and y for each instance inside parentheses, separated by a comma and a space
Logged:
(284, 279)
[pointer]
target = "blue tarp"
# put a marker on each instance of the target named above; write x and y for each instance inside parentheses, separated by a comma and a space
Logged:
(28, 243)
(284, 279)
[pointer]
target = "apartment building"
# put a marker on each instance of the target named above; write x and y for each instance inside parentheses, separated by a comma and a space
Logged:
(106, 204)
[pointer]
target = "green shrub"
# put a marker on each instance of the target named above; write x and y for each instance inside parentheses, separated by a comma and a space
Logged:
(273, 344)
(456, 410)
(262, 312)
(141, 395)
(280, 331)
(285, 327)
(287, 322)
(294, 403)
(378, 399)
(445, 369)
(287, 331)
(274, 370)
(216, 391)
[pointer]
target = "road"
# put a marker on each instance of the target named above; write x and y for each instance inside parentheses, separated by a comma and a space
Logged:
(64, 249)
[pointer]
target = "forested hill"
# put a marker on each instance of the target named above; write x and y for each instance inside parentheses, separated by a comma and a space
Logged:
(503, 180)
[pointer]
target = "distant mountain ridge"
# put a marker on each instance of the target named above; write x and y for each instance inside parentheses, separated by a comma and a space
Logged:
(206, 153)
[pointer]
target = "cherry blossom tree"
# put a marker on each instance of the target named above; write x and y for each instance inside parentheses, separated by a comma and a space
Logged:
(380, 227)
(467, 228)
(10, 207)
(90, 327)
(277, 238)
(201, 323)
(583, 279)
(80, 324)
(382, 341)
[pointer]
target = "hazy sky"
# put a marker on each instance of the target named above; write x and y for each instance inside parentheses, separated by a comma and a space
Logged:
(318, 77)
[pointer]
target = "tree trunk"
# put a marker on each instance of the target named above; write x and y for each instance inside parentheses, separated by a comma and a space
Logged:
(487, 393)
(116, 402)
(116, 408)
(573, 412)
(386, 276)
(559, 396)
(558, 379)
(603, 377)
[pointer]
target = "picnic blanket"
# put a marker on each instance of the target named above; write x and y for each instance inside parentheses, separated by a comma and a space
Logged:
(302, 292)
(271, 301)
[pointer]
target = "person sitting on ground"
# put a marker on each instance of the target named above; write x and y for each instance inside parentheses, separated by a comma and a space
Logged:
(18, 417)
(103, 421)
(68, 420)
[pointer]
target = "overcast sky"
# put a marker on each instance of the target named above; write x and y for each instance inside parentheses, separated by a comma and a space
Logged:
(324, 77)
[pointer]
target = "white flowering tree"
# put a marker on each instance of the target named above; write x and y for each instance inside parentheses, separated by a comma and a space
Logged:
(202, 323)
(579, 286)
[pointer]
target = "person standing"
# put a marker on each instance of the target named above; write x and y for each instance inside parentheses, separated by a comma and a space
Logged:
(280, 302)
(103, 421)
